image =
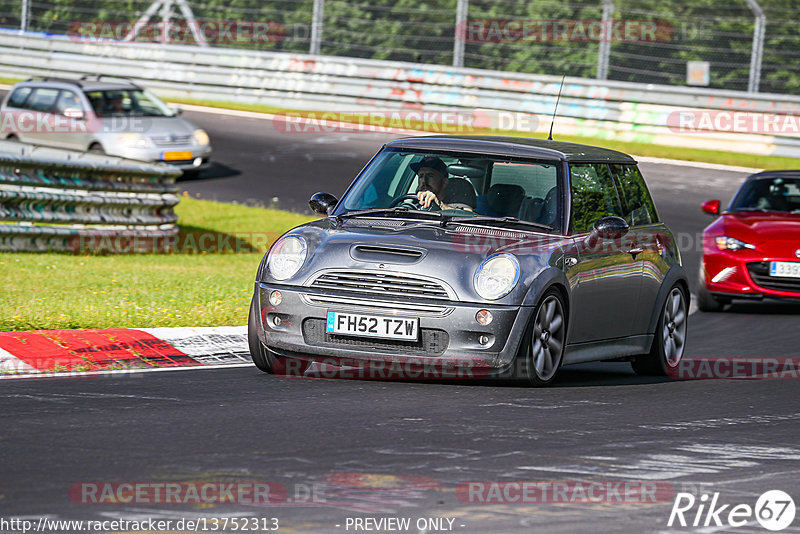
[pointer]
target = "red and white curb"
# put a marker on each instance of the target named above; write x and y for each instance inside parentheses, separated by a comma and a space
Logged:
(45, 353)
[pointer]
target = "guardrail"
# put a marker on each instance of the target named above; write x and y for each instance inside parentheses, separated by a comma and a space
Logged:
(56, 200)
(618, 110)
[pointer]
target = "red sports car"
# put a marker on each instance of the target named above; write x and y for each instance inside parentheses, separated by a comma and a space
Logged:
(752, 250)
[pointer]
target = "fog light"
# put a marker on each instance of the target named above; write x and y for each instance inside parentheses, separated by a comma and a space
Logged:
(197, 162)
(276, 320)
(275, 298)
(484, 317)
(484, 340)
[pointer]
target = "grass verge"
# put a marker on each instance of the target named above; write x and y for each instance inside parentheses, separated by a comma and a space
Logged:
(55, 291)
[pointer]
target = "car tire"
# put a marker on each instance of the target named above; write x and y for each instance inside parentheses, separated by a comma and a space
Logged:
(542, 350)
(707, 302)
(97, 148)
(669, 341)
(261, 356)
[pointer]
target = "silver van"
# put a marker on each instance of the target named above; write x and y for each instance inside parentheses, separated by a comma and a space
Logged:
(112, 116)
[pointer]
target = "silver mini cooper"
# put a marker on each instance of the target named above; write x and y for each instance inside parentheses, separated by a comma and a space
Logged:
(466, 256)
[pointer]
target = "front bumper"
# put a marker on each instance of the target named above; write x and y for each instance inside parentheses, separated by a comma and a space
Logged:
(449, 331)
(199, 160)
(744, 274)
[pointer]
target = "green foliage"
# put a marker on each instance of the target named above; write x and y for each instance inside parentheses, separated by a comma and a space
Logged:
(424, 31)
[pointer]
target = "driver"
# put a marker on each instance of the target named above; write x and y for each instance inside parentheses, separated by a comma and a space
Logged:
(432, 174)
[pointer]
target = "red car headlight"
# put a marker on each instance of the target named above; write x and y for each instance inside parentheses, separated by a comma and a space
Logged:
(731, 243)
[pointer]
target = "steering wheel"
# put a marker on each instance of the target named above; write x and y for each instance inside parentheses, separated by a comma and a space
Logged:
(411, 198)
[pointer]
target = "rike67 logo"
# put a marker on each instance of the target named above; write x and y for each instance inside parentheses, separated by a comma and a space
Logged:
(774, 510)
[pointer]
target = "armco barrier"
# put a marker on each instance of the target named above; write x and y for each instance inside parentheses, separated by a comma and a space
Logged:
(618, 110)
(59, 200)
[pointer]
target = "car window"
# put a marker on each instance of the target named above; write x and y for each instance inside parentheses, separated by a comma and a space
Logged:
(476, 184)
(536, 180)
(638, 206)
(18, 97)
(769, 194)
(594, 195)
(67, 100)
(42, 99)
(138, 102)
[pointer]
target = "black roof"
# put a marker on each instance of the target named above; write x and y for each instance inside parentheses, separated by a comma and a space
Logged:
(514, 146)
(788, 173)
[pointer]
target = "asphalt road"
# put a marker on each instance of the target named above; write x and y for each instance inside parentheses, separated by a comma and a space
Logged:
(369, 450)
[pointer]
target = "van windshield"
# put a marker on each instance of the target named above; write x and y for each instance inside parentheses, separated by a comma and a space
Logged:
(128, 102)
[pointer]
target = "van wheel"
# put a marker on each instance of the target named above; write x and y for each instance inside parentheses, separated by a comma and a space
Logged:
(97, 148)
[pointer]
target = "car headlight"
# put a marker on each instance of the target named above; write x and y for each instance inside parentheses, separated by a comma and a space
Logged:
(201, 137)
(731, 243)
(496, 276)
(133, 139)
(286, 257)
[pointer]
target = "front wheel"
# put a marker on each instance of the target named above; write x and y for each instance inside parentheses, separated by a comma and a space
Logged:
(670, 337)
(543, 347)
(261, 355)
(707, 302)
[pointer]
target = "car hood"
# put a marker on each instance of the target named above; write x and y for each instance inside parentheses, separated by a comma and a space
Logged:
(424, 248)
(758, 227)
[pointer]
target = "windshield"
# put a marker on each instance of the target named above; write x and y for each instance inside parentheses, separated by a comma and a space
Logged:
(458, 184)
(128, 102)
(779, 194)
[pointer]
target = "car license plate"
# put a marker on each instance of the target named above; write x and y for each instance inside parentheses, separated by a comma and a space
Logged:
(353, 324)
(786, 269)
(177, 155)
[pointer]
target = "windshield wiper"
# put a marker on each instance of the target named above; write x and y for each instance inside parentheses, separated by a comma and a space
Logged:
(498, 220)
(397, 210)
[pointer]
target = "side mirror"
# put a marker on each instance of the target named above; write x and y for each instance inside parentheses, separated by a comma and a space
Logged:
(611, 227)
(711, 207)
(177, 110)
(322, 203)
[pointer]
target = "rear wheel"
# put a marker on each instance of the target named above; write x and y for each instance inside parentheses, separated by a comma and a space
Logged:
(261, 356)
(543, 347)
(670, 337)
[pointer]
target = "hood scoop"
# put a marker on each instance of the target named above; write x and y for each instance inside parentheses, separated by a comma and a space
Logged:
(386, 253)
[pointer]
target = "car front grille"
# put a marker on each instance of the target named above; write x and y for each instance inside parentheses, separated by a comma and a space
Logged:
(383, 284)
(172, 140)
(759, 272)
(432, 342)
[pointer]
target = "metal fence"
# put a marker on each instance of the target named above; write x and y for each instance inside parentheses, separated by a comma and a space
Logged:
(747, 44)
(57, 200)
(623, 111)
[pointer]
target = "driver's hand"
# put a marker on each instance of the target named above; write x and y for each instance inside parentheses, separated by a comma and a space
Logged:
(425, 198)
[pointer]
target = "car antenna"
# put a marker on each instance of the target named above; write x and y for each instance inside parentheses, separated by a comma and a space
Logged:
(550, 137)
